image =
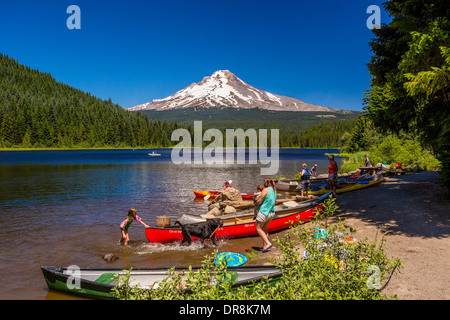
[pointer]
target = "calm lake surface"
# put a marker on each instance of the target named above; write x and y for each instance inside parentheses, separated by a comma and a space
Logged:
(61, 208)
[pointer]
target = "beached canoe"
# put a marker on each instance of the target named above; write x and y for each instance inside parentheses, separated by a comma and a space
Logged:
(214, 194)
(347, 187)
(98, 283)
(242, 225)
(294, 185)
(287, 185)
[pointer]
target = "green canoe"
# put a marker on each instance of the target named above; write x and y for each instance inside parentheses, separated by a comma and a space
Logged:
(98, 283)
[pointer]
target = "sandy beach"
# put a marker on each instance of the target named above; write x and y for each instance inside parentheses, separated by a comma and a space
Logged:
(412, 213)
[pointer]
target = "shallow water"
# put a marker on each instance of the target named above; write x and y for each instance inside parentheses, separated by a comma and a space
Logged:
(64, 207)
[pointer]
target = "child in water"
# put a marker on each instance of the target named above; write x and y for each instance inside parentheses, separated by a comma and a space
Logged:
(132, 215)
(256, 196)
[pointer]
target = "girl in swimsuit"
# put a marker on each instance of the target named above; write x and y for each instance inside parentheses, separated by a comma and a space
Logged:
(132, 215)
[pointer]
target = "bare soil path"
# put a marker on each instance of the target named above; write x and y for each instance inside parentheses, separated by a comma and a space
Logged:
(412, 212)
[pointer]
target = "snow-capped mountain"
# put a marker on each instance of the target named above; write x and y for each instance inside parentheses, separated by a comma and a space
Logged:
(224, 89)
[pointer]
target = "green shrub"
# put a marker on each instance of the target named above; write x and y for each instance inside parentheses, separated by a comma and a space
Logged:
(407, 151)
(353, 161)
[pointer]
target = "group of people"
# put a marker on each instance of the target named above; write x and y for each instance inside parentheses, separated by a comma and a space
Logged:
(264, 213)
(306, 176)
(264, 200)
(266, 194)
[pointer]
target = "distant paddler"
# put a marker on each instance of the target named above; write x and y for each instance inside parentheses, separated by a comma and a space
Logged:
(154, 154)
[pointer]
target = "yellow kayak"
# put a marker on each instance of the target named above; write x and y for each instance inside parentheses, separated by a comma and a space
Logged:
(347, 187)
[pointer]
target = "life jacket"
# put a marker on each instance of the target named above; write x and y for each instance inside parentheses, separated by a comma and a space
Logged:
(306, 175)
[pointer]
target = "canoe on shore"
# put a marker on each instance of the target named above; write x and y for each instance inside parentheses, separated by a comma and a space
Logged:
(294, 185)
(347, 187)
(242, 225)
(214, 194)
(98, 283)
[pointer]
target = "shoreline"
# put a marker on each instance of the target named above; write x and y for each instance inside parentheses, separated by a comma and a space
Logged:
(411, 213)
(129, 148)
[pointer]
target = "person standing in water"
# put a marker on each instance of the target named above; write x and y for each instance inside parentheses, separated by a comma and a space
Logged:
(266, 212)
(132, 215)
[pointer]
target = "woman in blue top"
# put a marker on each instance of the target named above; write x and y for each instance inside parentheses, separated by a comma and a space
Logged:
(266, 212)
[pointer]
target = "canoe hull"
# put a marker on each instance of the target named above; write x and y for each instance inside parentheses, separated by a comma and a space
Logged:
(238, 230)
(294, 185)
(58, 281)
(348, 187)
(290, 185)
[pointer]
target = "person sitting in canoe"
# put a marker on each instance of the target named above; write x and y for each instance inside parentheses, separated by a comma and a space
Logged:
(226, 185)
(132, 215)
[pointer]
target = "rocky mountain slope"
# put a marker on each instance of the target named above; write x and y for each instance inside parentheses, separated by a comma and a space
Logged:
(224, 89)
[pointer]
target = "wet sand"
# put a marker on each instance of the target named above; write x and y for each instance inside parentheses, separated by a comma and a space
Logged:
(413, 213)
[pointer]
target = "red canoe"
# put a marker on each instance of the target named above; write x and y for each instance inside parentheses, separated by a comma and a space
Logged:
(244, 225)
(213, 194)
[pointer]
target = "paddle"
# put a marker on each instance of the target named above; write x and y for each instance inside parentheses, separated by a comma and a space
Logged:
(214, 232)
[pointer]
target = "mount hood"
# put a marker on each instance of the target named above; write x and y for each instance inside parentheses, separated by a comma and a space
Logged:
(224, 90)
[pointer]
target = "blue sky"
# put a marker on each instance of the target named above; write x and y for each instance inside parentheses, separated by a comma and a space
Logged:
(136, 51)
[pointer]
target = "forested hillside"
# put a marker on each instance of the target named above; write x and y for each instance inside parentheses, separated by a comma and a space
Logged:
(327, 134)
(229, 118)
(296, 128)
(38, 111)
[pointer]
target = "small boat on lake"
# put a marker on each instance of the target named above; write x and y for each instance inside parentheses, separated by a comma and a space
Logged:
(154, 154)
(242, 224)
(213, 194)
(98, 283)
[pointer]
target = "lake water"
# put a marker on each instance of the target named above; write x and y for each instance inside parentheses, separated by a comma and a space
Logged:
(60, 208)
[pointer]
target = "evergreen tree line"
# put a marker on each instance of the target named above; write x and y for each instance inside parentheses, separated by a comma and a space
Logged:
(410, 68)
(37, 111)
(327, 134)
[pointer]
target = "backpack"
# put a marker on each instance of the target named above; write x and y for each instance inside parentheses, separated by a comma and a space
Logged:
(307, 174)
